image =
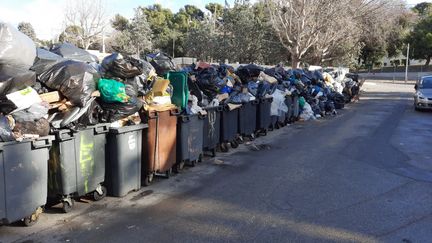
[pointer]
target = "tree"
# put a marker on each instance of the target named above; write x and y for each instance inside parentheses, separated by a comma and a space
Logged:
(320, 25)
(72, 34)
(89, 16)
(215, 9)
(120, 23)
(423, 8)
(132, 37)
(420, 39)
(27, 29)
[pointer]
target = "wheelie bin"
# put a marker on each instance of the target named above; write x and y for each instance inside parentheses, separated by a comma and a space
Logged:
(229, 128)
(247, 119)
(123, 160)
(296, 108)
(211, 129)
(263, 118)
(189, 140)
(23, 180)
(290, 104)
(159, 144)
(77, 165)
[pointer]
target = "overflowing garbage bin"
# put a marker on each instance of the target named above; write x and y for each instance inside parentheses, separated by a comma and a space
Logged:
(229, 128)
(159, 143)
(77, 164)
(263, 119)
(189, 139)
(23, 180)
(211, 129)
(247, 118)
(123, 160)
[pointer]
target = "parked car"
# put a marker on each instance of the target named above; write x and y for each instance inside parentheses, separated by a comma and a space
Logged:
(423, 94)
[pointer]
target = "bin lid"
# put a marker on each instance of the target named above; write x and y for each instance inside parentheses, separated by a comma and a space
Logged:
(119, 130)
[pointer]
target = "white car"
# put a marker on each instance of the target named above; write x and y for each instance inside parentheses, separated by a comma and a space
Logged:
(423, 94)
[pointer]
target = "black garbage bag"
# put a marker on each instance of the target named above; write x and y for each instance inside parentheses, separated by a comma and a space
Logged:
(33, 113)
(115, 111)
(92, 116)
(248, 72)
(353, 76)
(72, 52)
(115, 66)
(13, 79)
(162, 62)
(6, 134)
(45, 60)
(75, 80)
(195, 90)
(16, 49)
(142, 84)
(40, 88)
(338, 99)
(209, 82)
(6, 106)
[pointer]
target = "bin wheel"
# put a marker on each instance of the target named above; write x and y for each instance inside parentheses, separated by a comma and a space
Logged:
(32, 219)
(168, 173)
(179, 166)
(213, 153)
(67, 206)
(148, 179)
(97, 196)
(200, 158)
(252, 137)
(193, 163)
(240, 140)
(234, 144)
(224, 147)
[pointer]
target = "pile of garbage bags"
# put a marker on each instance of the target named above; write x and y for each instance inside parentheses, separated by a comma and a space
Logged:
(319, 93)
(44, 89)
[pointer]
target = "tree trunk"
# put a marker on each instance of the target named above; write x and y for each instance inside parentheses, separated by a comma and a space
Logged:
(295, 61)
(428, 59)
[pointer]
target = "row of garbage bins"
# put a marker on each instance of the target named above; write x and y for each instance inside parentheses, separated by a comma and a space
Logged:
(100, 160)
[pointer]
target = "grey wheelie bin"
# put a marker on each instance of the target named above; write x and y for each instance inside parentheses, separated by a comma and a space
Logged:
(159, 144)
(248, 118)
(263, 119)
(229, 128)
(23, 180)
(77, 164)
(211, 129)
(189, 140)
(123, 160)
(289, 101)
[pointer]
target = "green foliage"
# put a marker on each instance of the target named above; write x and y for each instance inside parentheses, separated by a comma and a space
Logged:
(120, 23)
(423, 8)
(134, 36)
(27, 29)
(420, 39)
(72, 34)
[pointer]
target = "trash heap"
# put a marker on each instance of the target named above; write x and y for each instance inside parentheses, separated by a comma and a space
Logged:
(66, 87)
(319, 93)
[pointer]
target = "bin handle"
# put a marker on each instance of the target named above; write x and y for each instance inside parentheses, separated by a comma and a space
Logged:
(101, 129)
(255, 102)
(174, 112)
(153, 114)
(219, 108)
(202, 116)
(42, 143)
(64, 135)
(185, 118)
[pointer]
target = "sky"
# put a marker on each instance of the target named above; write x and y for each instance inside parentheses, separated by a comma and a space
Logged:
(46, 16)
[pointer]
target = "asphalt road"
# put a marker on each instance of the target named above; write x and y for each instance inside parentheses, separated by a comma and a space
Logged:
(364, 176)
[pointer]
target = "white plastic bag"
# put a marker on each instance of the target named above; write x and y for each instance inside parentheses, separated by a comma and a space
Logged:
(16, 49)
(24, 98)
(278, 105)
